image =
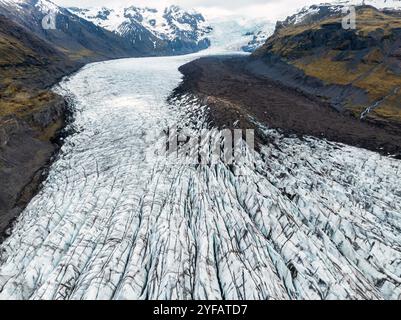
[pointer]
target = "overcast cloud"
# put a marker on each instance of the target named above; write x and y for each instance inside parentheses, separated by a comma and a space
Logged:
(271, 9)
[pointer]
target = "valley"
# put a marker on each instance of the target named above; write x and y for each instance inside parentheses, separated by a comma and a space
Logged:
(115, 219)
(32, 60)
(92, 207)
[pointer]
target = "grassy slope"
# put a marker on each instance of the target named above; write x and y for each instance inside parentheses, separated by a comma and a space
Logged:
(375, 69)
(28, 65)
(30, 114)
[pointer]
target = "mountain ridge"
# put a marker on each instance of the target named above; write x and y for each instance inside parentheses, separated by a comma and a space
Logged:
(366, 59)
(171, 30)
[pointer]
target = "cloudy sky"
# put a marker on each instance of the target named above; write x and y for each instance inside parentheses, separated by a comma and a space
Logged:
(271, 9)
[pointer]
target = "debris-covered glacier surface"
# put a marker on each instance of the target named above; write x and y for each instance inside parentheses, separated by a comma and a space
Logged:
(303, 219)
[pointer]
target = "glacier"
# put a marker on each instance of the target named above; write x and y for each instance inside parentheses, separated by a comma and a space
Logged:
(235, 33)
(303, 218)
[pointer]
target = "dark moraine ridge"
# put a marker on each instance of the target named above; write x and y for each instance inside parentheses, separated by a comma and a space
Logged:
(237, 94)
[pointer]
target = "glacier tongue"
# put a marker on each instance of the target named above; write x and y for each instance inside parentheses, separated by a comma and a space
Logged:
(305, 219)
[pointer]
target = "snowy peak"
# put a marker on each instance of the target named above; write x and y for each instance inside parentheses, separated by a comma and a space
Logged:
(145, 30)
(189, 24)
(171, 24)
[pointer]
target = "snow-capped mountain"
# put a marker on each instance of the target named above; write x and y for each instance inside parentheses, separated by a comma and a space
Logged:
(240, 33)
(77, 37)
(171, 29)
(315, 12)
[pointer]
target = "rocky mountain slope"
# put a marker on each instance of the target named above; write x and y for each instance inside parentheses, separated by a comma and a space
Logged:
(172, 30)
(358, 71)
(30, 115)
(78, 38)
(316, 12)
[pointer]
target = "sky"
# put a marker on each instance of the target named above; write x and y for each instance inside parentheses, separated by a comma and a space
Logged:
(269, 9)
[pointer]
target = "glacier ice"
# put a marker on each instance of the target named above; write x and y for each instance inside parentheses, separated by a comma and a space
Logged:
(304, 219)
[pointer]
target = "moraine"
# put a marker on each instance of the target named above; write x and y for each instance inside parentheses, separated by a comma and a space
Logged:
(309, 220)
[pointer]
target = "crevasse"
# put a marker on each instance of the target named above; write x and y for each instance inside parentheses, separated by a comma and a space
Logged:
(304, 219)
